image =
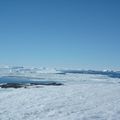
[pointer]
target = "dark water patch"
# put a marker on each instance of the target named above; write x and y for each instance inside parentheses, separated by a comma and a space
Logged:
(111, 74)
(62, 73)
(18, 82)
(21, 77)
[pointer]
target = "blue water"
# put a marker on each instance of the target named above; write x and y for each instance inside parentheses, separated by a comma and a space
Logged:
(22, 80)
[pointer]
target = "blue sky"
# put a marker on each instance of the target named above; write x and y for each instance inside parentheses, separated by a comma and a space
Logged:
(60, 33)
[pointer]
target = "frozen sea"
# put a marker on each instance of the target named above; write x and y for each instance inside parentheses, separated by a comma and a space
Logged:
(81, 97)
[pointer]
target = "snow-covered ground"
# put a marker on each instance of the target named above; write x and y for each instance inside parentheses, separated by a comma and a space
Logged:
(82, 97)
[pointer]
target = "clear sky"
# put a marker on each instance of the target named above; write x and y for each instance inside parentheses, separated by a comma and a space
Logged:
(60, 33)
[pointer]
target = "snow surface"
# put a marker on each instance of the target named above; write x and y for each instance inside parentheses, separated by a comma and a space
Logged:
(82, 97)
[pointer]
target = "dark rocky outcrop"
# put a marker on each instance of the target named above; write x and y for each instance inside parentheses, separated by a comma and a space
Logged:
(12, 85)
(24, 85)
